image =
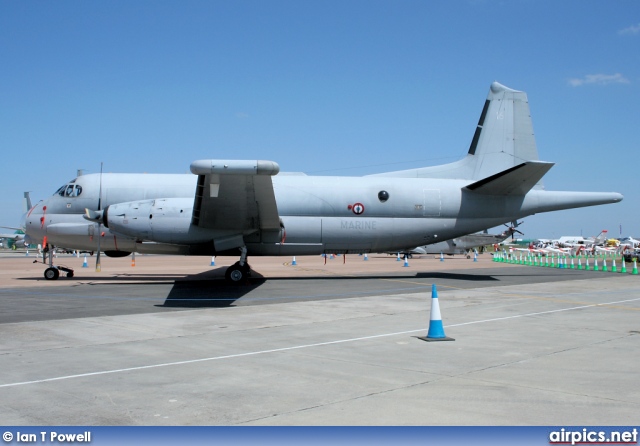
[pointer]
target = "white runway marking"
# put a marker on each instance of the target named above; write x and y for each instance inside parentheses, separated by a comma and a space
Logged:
(298, 347)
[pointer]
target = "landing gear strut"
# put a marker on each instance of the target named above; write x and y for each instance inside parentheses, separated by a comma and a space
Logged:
(53, 272)
(240, 271)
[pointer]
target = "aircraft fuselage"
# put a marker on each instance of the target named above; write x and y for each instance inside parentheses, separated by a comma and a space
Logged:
(318, 214)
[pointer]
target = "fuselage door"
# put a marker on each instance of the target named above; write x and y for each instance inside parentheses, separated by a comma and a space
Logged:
(432, 203)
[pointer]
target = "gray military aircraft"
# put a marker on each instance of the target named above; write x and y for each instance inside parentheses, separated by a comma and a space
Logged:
(248, 208)
(465, 244)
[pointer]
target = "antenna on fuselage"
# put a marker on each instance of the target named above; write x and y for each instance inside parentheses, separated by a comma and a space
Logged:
(98, 266)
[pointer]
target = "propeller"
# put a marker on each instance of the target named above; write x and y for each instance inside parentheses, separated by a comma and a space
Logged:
(512, 229)
(99, 211)
(97, 217)
(91, 215)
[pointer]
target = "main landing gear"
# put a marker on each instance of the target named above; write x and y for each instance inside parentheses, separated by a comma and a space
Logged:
(53, 272)
(240, 271)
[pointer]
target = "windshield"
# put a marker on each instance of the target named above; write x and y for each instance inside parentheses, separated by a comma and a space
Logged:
(69, 190)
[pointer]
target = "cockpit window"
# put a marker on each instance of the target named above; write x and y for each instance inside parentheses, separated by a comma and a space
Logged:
(69, 190)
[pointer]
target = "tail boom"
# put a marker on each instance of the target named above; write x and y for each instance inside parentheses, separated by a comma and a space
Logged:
(548, 201)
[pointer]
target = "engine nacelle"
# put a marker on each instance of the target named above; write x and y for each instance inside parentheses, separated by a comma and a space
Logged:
(163, 220)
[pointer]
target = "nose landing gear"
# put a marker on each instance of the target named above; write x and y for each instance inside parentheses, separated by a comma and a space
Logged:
(53, 272)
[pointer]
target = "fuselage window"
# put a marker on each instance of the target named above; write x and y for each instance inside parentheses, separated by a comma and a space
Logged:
(61, 191)
(78, 190)
(69, 192)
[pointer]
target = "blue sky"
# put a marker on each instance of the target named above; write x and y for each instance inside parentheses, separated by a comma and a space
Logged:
(325, 87)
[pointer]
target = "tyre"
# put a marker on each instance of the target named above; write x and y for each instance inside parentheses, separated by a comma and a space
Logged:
(236, 274)
(51, 273)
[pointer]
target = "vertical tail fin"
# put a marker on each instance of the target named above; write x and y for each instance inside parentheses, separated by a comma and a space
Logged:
(502, 139)
(504, 136)
(26, 203)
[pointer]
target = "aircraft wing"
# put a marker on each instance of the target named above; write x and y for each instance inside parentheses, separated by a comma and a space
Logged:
(235, 195)
(517, 180)
(12, 236)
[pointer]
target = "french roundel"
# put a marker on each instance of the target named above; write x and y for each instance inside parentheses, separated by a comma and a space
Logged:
(358, 208)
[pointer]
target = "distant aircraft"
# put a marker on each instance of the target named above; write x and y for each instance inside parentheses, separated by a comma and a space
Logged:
(238, 207)
(18, 237)
(629, 242)
(465, 244)
(573, 245)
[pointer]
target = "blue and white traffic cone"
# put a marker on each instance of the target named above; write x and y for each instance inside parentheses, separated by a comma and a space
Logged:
(398, 259)
(85, 264)
(436, 329)
(294, 263)
(475, 256)
(441, 256)
(406, 261)
(213, 261)
(365, 257)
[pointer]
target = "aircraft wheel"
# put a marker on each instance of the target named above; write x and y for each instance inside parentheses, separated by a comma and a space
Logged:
(468, 256)
(70, 274)
(237, 274)
(51, 273)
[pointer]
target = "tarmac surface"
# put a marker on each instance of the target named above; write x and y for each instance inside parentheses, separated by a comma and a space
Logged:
(167, 342)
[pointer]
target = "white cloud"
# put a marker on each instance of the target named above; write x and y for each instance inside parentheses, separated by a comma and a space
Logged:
(630, 30)
(599, 79)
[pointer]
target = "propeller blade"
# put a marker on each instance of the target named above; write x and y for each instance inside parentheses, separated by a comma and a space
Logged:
(91, 215)
(98, 265)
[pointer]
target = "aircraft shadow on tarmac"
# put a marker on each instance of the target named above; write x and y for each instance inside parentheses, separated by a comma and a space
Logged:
(198, 292)
(208, 293)
(210, 290)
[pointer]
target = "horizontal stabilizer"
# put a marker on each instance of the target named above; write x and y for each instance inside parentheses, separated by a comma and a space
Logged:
(517, 180)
